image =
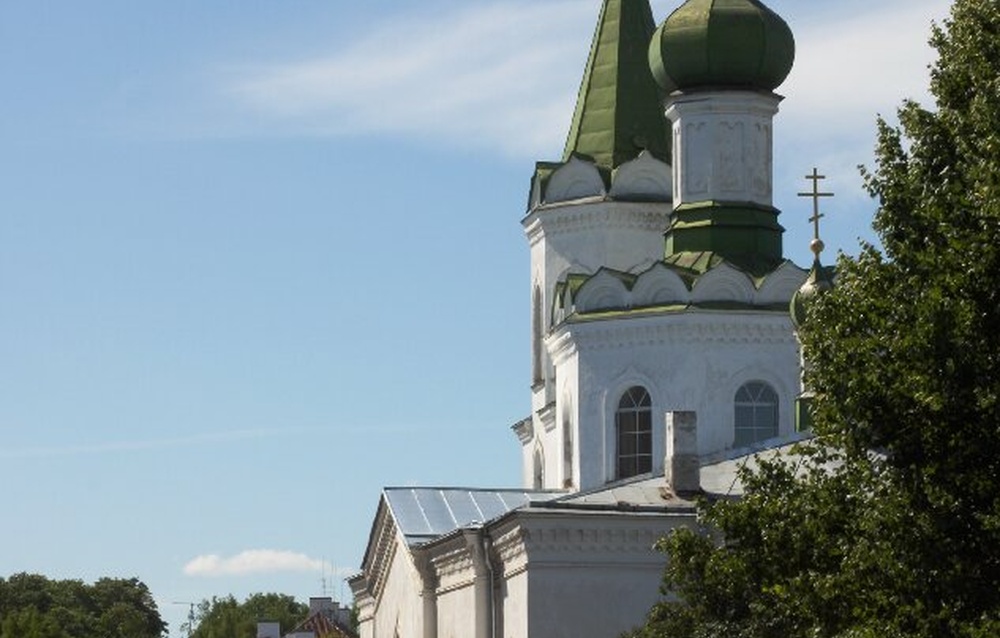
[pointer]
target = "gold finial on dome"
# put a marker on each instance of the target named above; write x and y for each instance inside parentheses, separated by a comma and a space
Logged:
(819, 279)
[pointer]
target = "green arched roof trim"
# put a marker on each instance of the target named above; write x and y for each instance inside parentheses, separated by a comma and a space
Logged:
(672, 308)
(688, 266)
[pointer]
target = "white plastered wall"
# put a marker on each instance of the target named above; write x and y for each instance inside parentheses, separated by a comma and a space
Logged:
(397, 607)
(514, 604)
(569, 567)
(456, 612)
(579, 237)
(695, 360)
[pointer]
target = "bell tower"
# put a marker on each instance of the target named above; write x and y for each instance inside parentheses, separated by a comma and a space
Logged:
(720, 62)
(605, 204)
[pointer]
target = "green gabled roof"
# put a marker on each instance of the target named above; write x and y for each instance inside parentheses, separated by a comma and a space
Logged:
(619, 110)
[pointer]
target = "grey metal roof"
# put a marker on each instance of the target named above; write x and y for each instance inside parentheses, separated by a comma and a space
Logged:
(720, 475)
(424, 513)
(640, 492)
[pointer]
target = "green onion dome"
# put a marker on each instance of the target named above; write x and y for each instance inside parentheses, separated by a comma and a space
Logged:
(817, 283)
(712, 44)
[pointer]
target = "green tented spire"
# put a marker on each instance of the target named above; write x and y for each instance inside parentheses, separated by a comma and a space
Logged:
(619, 110)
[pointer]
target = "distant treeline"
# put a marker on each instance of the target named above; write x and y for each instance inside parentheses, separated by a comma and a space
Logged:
(225, 617)
(33, 606)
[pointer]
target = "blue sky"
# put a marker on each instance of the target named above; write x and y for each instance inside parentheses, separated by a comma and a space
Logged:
(259, 259)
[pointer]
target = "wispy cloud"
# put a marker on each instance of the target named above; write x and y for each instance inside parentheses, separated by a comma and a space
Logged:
(503, 76)
(253, 561)
(208, 439)
(851, 65)
(482, 76)
(109, 447)
(859, 65)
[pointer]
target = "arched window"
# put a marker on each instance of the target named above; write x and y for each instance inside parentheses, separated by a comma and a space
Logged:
(756, 413)
(567, 428)
(634, 428)
(538, 470)
(536, 336)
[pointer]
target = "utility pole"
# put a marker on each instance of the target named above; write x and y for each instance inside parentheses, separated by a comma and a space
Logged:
(190, 622)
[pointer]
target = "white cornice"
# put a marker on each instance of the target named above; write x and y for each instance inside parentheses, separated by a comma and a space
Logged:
(561, 345)
(547, 416)
(452, 563)
(534, 538)
(524, 429)
(362, 598)
(590, 540)
(380, 574)
(728, 102)
(569, 217)
(672, 328)
(508, 546)
(382, 548)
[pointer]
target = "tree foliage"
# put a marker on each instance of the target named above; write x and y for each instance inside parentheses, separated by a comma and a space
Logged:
(226, 618)
(33, 606)
(888, 524)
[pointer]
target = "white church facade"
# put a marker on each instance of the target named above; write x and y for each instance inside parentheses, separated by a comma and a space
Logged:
(662, 346)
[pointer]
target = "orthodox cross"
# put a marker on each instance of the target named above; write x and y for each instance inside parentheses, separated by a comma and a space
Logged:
(817, 244)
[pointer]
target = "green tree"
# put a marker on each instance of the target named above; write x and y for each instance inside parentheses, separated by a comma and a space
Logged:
(30, 623)
(227, 618)
(125, 608)
(889, 524)
(32, 605)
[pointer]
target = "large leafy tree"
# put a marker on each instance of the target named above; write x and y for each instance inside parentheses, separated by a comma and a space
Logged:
(33, 606)
(889, 523)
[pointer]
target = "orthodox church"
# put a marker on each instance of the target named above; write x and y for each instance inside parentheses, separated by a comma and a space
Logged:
(663, 348)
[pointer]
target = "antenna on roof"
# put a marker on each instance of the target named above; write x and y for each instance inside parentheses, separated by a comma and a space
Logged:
(324, 585)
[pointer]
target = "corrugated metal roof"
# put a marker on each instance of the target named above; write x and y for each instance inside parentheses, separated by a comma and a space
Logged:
(423, 513)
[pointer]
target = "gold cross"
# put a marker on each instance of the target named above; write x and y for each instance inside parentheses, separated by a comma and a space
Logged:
(815, 194)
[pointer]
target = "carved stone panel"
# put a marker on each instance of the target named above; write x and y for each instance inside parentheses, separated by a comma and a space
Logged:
(697, 160)
(722, 147)
(730, 156)
(759, 160)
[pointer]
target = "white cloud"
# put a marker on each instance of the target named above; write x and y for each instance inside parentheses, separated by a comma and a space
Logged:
(196, 440)
(502, 76)
(860, 65)
(252, 561)
(482, 76)
(111, 447)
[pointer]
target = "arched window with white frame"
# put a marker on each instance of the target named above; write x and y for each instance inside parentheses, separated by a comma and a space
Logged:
(756, 407)
(634, 433)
